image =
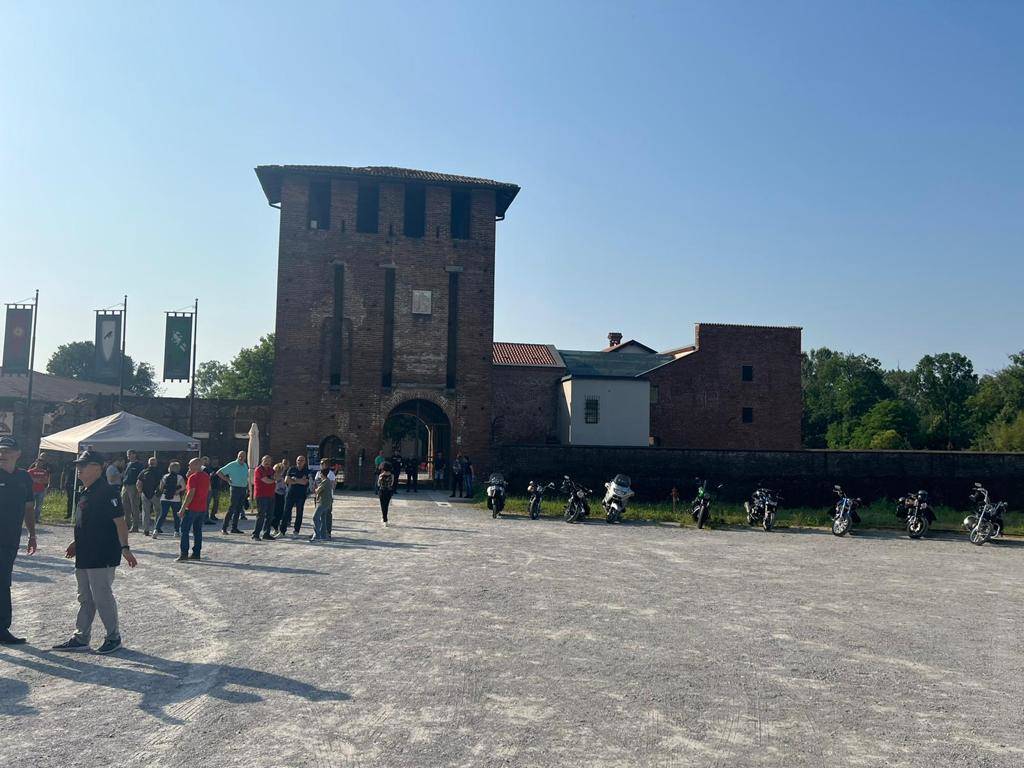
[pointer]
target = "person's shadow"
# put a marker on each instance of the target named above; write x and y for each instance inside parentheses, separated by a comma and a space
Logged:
(162, 683)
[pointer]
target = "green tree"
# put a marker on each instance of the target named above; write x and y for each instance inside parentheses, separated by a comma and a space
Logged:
(838, 389)
(77, 360)
(946, 383)
(248, 376)
(1000, 396)
(889, 424)
(1002, 436)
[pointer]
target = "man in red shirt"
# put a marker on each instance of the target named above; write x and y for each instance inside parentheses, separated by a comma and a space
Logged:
(197, 491)
(40, 474)
(264, 486)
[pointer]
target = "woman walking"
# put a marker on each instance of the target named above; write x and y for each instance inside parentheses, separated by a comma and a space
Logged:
(171, 486)
(385, 489)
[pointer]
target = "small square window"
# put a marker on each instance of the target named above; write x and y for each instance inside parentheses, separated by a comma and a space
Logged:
(748, 373)
(421, 301)
(654, 394)
(748, 415)
(592, 411)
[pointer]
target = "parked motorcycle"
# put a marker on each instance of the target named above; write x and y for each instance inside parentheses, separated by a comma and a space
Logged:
(577, 506)
(701, 510)
(763, 507)
(617, 493)
(987, 522)
(537, 491)
(496, 493)
(844, 514)
(915, 510)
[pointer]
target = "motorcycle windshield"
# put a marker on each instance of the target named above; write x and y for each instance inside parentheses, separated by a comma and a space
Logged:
(496, 478)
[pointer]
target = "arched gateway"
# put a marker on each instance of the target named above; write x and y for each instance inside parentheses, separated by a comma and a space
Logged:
(422, 429)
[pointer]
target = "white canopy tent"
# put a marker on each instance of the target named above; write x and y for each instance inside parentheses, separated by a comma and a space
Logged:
(120, 431)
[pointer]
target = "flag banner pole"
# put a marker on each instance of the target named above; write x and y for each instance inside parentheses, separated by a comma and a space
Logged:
(108, 345)
(192, 393)
(120, 372)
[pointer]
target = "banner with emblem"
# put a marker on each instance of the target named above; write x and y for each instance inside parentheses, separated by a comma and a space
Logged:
(17, 338)
(178, 346)
(108, 346)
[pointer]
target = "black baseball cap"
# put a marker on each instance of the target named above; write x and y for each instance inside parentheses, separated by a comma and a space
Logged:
(89, 457)
(8, 441)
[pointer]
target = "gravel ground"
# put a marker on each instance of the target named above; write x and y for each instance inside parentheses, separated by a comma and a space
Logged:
(451, 639)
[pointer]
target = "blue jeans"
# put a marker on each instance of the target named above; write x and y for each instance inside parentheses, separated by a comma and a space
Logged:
(165, 507)
(323, 521)
(194, 521)
(38, 499)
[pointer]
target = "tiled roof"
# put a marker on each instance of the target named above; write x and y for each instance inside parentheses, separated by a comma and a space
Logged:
(270, 178)
(633, 342)
(507, 353)
(51, 389)
(602, 365)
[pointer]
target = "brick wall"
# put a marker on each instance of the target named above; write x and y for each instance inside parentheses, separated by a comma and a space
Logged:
(701, 396)
(305, 408)
(525, 404)
(805, 477)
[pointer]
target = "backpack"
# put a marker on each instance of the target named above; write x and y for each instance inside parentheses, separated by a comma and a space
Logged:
(386, 482)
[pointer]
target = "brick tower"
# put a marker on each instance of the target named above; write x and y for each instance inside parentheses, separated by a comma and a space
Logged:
(385, 306)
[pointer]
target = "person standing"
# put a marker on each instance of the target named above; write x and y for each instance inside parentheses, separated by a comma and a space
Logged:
(264, 486)
(130, 494)
(197, 492)
(101, 539)
(39, 471)
(114, 474)
(280, 490)
(396, 466)
(69, 482)
(171, 487)
(467, 476)
(386, 482)
(377, 461)
(438, 470)
(457, 467)
(16, 508)
(323, 495)
(298, 488)
(236, 475)
(148, 486)
(214, 502)
(412, 474)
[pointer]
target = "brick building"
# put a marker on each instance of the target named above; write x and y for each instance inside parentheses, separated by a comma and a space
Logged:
(385, 304)
(735, 387)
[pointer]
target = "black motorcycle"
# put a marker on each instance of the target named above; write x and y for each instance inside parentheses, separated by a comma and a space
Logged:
(916, 513)
(496, 493)
(701, 510)
(576, 507)
(844, 513)
(987, 522)
(537, 491)
(763, 507)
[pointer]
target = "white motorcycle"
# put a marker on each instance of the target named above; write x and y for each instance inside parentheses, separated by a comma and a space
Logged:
(617, 493)
(496, 493)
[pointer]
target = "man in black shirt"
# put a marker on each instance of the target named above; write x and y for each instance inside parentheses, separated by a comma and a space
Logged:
(213, 500)
(129, 493)
(101, 538)
(148, 486)
(16, 507)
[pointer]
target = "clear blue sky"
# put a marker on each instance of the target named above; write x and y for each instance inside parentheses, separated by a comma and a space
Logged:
(853, 168)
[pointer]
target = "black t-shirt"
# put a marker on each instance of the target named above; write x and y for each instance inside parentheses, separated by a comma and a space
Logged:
(131, 472)
(96, 542)
(15, 493)
(150, 478)
(298, 474)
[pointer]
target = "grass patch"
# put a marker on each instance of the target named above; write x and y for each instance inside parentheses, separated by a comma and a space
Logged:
(55, 507)
(881, 514)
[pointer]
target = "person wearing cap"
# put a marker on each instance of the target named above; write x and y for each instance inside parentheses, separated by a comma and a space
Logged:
(16, 508)
(39, 471)
(101, 539)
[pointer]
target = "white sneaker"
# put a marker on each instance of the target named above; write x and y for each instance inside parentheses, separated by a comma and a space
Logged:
(384, 523)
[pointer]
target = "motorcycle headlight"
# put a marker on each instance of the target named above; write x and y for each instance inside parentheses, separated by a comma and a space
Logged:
(530, 488)
(579, 494)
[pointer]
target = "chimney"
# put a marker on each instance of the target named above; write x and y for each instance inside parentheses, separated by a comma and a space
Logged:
(614, 339)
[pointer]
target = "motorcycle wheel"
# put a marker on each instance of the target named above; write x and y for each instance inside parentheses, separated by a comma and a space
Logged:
(769, 521)
(917, 527)
(702, 516)
(840, 526)
(494, 511)
(572, 513)
(534, 509)
(981, 533)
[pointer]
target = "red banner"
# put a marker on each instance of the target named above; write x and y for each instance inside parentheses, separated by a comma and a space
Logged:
(17, 339)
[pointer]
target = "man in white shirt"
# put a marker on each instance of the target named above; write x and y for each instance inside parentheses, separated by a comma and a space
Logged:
(323, 493)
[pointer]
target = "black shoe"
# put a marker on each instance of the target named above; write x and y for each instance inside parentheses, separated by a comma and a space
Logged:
(74, 644)
(224, 531)
(181, 559)
(255, 537)
(109, 646)
(6, 638)
(268, 537)
(235, 530)
(194, 556)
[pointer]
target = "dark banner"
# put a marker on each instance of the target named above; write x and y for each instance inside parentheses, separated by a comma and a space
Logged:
(17, 339)
(178, 348)
(108, 347)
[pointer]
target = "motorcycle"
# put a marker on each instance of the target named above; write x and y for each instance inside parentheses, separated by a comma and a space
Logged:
(915, 510)
(496, 493)
(763, 507)
(617, 494)
(537, 491)
(844, 513)
(577, 506)
(701, 510)
(987, 522)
